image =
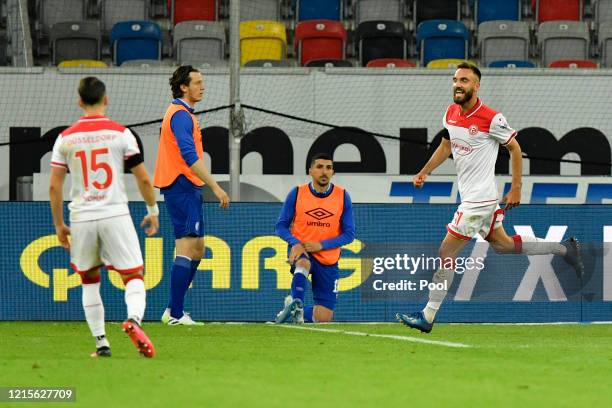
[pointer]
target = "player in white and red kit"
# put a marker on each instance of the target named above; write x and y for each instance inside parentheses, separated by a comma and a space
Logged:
(96, 150)
(473, 135)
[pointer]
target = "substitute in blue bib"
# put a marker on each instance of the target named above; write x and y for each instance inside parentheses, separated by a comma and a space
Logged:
(316, 221)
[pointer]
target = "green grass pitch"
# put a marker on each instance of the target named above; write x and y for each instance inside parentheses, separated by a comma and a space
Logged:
(343, 365)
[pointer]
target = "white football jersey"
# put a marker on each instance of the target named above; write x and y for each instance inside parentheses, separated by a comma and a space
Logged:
(475, 137)
(94, 150)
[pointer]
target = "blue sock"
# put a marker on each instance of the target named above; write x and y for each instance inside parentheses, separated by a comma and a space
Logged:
(194, 268)
(308, 314)
(298, 284)
(179, 283)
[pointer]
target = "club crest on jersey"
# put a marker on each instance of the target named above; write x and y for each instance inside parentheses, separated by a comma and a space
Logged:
(473, 130)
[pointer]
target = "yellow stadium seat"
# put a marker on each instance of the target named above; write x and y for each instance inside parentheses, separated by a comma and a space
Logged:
(444, 63)
(262, 40)
(82, 64)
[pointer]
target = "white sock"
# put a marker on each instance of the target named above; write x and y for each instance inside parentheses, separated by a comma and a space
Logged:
(94, 309)
(430, 310)
(436, 296)
(102, 341)
(539, 246)
(135, 299)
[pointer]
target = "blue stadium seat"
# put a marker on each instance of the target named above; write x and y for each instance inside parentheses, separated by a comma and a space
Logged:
(489, 10)
(133, 40)
(318, 10)
(442, 39)
(512, 64)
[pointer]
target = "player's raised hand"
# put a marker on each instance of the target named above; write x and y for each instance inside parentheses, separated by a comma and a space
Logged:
(62, 233)
(419, 179)
(296, 251)
(512, 199)
(224, 200)
(150, 224)
(313, 246)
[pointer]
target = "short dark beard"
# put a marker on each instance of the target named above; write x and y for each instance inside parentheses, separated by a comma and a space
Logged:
(467, 96)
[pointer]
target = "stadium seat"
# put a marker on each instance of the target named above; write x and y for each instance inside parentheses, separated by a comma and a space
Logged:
(573, 64)
(563, 40)
(115, 11)
(74, 41)
(260, 10)
(391, 63)
(318, 10)
(268, 64)
(554, 10)
(261, 39)
(381, 39)
(605, 44)
(511, 64)
(82, 64)
(187, 10)
(132, 40)
(490, 10)
(329, 63)
(199, 41)
(379, 10)
(503, 40)
(3, 50)
(51, 12)
(603, 11)
(147, 63)
(319, 39)
(435, 10)
(445, 63)
(442, 39)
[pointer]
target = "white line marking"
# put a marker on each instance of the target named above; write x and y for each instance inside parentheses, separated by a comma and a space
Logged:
(386, 336)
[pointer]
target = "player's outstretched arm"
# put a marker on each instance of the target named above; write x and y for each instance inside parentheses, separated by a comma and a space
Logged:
(56, 198)
(202, 172)
(150, 222)
(513, 198)
(440, 155)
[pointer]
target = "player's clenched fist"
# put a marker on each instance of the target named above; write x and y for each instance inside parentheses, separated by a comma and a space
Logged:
(419, 179)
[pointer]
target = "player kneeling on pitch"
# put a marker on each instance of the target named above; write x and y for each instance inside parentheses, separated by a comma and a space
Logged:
(473, 135)
(96, 150)
(316, 221)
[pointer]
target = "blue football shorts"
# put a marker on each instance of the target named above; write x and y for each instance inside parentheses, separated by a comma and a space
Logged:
(324, 283)
(186, 213)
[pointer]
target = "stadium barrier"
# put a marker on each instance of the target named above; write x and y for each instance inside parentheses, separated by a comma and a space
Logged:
(244, 275)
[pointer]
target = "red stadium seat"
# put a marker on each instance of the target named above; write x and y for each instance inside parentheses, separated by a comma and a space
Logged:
(390, 63)
(185, 10)
(319, 39)
(573, 64)
(553, 10)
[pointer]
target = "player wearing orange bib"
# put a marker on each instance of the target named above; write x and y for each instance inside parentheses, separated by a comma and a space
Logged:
(180, 174)
(316, 221)
(95, 150)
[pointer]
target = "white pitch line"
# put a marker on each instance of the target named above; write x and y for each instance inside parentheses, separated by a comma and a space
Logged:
(385, 336)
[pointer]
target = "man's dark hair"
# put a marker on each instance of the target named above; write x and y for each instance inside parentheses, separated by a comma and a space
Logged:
(471, 66)
(181, 77)
(320, 156)
(91, 90)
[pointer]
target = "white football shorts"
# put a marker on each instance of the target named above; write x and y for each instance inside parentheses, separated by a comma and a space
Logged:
(471, 219)
(111, 242)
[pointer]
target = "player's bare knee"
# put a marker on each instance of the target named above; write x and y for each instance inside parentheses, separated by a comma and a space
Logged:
(92, 276)
(303, 263)
(322, 314)
(503, 246)
(126, 277)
